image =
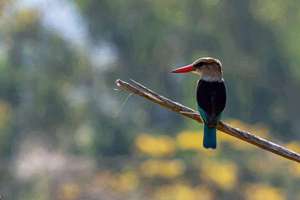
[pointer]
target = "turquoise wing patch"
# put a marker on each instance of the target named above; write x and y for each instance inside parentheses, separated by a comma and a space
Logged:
(204, 115)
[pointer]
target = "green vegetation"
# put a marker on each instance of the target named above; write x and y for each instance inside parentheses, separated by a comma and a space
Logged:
(65, 133)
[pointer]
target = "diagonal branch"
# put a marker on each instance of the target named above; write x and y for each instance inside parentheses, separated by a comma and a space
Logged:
(142, 91)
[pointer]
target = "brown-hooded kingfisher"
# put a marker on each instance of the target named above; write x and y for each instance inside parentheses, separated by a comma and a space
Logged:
(211, 95)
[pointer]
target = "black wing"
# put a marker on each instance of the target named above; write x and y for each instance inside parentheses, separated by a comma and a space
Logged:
(211, 97)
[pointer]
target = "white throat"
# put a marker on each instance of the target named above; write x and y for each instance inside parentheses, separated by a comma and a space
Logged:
(209, 78)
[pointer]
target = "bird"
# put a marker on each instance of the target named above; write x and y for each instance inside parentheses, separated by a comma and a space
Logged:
(210, 95)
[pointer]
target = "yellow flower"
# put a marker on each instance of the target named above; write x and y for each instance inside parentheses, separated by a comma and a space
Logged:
(223, 174)
(69, 191)
(294, 169)
(189, 140)
(181, 191)
(203, 193)
(192, 140)
(172, 169)
(125, 182)
(262, 192)
(294, 146)
(155, 145)
(162, 168)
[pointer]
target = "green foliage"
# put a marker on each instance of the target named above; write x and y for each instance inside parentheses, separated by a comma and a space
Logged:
(59, 95)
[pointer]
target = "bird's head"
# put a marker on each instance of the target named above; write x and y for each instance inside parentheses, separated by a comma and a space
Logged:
(210, 69)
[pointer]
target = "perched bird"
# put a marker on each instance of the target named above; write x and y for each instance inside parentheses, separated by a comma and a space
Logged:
(211, 95)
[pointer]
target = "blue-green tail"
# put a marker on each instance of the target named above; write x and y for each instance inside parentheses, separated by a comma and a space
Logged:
(210, 137)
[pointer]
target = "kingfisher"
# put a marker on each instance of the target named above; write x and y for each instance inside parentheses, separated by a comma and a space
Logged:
(211, 95)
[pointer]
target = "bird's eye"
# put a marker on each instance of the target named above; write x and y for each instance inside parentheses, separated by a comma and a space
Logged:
(199, 64)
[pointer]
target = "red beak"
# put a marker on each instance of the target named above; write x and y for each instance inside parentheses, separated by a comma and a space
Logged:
(184, 69)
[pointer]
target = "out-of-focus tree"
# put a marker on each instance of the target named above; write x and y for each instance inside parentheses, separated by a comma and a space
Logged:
(61, 91)
(150, 37)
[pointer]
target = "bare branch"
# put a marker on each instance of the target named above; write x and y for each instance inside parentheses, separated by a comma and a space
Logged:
(142, 91)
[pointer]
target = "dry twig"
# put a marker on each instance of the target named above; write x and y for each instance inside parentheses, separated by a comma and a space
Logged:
(139, 89)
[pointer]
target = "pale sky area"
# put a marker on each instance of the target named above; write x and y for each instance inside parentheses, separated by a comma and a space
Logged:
(63, 17)
(60, 15)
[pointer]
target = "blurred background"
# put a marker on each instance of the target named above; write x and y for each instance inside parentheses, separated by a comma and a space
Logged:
(66, 134)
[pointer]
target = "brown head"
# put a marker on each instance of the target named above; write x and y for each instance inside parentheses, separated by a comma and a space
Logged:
(210, 69)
